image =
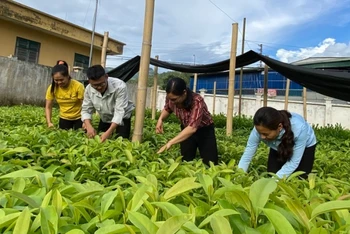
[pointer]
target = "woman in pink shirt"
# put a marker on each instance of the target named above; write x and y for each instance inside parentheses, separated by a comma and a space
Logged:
(196, 122)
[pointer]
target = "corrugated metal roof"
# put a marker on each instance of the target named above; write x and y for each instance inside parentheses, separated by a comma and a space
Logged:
(317, 60)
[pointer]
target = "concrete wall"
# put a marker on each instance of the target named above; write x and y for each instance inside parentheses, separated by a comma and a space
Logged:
(52, 47)
(25, 83)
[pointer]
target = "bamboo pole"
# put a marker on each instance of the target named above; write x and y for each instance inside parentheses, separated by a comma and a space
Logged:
(286, 95)
(104, 49)
(266, 77)
(241, 73)
(231, 81)
(154, 93)
(195, 82)
(214, 97)
(93, 35)
(144, 69)
(304, 103)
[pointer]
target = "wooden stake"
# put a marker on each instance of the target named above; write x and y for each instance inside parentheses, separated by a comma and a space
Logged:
(214, 97)
(287, 95)
(144, 69)
(154, 93)
(241, 73)
(266, 77)
(195, 83)
(231, 81)
(104, 49)
(304, 103)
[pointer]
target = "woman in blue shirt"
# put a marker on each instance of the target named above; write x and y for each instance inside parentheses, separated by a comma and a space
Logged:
(291, 139)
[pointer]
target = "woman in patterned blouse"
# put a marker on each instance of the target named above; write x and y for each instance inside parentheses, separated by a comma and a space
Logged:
(196, 122)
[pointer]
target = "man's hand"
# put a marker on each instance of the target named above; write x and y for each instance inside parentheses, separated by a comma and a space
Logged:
(50, 125)
(165, 147)
(105, 136)
(159, 127)
(90, 132)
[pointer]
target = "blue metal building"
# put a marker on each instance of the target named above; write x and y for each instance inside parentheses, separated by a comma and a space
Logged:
(253, 79)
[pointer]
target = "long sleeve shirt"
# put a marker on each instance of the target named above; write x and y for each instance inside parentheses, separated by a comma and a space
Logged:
(113, 106)
(197, 116)
(304, 137)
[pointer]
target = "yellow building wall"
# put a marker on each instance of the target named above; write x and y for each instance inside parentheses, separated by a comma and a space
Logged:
(52, 48)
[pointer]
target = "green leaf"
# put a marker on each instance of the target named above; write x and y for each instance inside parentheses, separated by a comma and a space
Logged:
(319, 230)
(19, 185)
(239, 197)
(47, 199)
(142, 222)
(223, 212)
(330, 206)
(207, 183)
(259, 193)
(266, 228)
(50, 215)
(24, 173)
(76, 231)
(139, 196)
(23, 222)
(57, 202)
(296, 208)
(280, 223)
(112, 229)
(168, 207)
(172, 168)
(107, 200)
(181, 186)
(220, 225)
(8, 219)
(129, 155)
(173, 224)
(24, 198)
(16, 150)
(192, 228)
(45, 226)
(85, 194)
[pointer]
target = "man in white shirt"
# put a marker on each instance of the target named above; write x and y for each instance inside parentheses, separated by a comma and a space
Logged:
(109, 97)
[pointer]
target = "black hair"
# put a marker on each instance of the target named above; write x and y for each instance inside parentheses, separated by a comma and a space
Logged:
(64, 63)
(95, 72)
(63, 70)
(270, 118)
(177, 86)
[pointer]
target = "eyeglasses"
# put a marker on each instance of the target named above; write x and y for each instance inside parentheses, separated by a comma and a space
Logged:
(99, 85)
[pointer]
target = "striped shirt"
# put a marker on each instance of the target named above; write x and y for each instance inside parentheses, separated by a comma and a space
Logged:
(197, 116)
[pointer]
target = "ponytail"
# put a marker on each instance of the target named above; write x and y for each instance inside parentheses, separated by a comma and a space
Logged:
(53, 86)
(285, 148)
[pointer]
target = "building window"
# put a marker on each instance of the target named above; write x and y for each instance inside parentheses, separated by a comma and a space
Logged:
(27, 50)
(81, 61)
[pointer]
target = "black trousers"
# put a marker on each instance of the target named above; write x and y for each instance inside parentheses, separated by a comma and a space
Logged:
(305, 165)
(204, 139)
(70, 124)
(123, 131)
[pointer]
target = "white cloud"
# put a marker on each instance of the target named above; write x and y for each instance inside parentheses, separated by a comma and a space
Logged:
(327, 48)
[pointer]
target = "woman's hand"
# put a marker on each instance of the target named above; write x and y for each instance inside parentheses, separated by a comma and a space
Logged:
(159, 127)
(165, 147)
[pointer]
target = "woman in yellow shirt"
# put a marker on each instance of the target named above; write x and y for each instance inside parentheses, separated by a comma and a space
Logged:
(69, 95)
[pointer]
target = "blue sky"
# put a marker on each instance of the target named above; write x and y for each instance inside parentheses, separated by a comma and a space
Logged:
(188, 31)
